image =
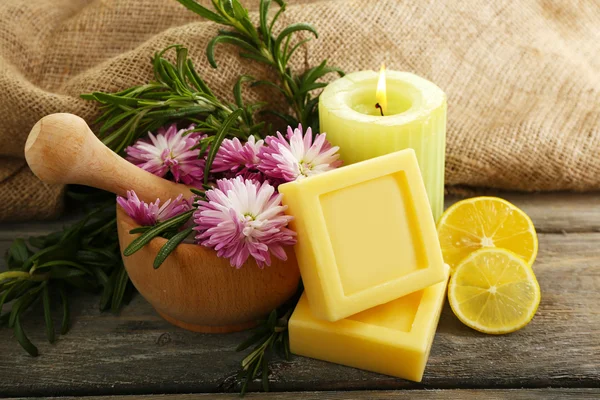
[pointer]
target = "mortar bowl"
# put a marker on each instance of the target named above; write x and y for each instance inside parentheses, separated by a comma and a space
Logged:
(198, 291)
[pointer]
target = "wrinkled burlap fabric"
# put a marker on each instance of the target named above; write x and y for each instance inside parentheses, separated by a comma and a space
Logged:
(522, 77)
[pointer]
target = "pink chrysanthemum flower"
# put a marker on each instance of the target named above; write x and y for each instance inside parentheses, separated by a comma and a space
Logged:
(237, 158)
(170, 152)
(242, 218)
(297, 157)
(150, 214)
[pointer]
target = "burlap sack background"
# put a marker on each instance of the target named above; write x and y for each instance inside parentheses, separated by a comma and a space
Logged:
(522, 77)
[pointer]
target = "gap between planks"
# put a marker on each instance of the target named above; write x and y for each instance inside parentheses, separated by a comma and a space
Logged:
(447, 394)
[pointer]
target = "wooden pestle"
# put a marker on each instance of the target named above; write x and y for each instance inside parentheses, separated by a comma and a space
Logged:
(61, 148)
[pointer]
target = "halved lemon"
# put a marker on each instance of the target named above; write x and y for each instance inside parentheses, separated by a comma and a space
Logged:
(486, 222)
(494, 291)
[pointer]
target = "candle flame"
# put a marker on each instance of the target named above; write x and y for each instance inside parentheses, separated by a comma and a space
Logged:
(381, 94)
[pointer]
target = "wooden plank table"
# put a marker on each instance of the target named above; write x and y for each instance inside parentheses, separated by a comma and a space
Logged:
(137, 353)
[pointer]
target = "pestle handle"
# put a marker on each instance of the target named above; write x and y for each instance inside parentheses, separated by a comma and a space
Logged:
(61, 148)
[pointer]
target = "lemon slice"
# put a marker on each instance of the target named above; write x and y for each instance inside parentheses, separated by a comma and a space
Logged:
(486, 222)
(494, 291)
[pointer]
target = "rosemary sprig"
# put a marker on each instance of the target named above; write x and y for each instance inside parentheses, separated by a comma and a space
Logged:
(84, 256)
(177, 93)
(261, 44)
(269, 337)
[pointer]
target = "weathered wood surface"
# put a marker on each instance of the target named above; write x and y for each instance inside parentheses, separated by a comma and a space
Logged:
(434, 394)
(138, 353)
(551, 213)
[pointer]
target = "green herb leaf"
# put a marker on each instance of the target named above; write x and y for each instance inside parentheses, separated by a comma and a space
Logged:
(289, 120)
(237, 89)
(140, 229)
(107, 290)
(156, 230)
(196, 80)
(269, 83)
(48, 315)
(261, 332)
(264, 27)
(198, 192)
(23, 339)
(219, 137)
(65, 272)
(170, 246)
(64, 327)
(202, 11)
(230, 39)
(294, 28)
(18, 251)
(6, 295)
(21, 304)
(106, 98)
(120, 287)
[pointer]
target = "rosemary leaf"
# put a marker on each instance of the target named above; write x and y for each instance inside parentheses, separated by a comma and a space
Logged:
(140, 229)
(21, 304)
(65, 272)
(64, 326)
(230, 39)
(198, 192)
(170, 246)
(156, 230)
(48, 315)
(120, 287)
(107, 98)
(219, 137)
(269, 83)
(19, 251)
(288, 55)
(23, 339)
(261, 332)
(6, 294)
(237, 89)
(202, 11)
(291, 29)
(107, 290)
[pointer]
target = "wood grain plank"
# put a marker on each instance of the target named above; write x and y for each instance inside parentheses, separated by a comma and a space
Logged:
(552, 212)
(446, 394)
(13, 230)
(138, 353)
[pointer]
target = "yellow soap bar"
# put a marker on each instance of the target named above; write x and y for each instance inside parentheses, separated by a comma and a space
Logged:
(392, 339)
(366, 234)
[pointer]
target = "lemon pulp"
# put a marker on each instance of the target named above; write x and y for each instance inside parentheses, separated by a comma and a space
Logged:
(485, 222)
(494, 291)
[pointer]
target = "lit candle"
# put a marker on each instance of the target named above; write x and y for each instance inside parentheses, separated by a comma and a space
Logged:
(369, 114)
(381, 93)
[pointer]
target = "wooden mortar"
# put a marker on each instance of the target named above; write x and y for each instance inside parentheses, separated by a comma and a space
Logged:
(193, 289)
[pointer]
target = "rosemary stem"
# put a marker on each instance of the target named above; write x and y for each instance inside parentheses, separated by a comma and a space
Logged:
(14, 275)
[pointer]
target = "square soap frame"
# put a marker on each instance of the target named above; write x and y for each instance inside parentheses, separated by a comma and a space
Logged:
(315, 248)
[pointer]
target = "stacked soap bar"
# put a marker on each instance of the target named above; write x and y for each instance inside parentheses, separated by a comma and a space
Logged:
(393, 338)
(371, 264)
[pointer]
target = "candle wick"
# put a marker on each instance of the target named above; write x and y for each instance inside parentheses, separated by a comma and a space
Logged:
(380, 108)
